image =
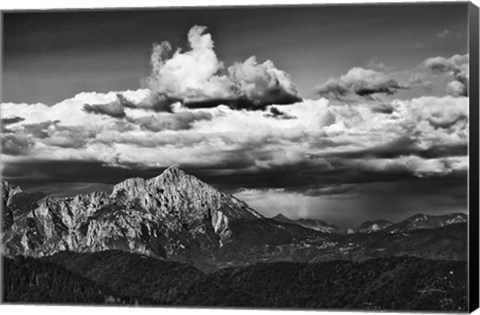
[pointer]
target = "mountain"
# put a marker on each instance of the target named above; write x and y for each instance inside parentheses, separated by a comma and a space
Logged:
(374, 226)
(416, 222)
(173, 216)
(176, 217)
(175, 240)
(424, 221)
(317, 225)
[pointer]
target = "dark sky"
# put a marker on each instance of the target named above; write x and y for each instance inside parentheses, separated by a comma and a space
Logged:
(378, 128)
(52, 56)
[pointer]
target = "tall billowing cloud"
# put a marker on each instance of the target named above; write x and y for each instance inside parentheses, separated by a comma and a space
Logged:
(456, 68)
(198, 79)
(359, 83)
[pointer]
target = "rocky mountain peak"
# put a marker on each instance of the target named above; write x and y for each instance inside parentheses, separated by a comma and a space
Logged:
(171, 215)
(172, 176)
(8, 190)
(131, 187)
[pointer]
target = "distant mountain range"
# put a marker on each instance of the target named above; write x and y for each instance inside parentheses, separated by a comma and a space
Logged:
(175, 240)
(416, 222)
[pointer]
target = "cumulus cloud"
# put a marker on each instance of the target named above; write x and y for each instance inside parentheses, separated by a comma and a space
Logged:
(263, 84)
(456, 68)
(198, 78)
(359, 83)
(335, 142)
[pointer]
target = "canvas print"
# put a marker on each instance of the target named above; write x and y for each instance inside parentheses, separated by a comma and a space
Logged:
(307, 157)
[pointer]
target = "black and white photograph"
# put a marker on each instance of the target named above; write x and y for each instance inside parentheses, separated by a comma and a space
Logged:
(249, 157)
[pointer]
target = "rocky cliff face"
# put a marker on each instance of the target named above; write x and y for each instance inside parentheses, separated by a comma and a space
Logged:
(8, 191)
(173, 216)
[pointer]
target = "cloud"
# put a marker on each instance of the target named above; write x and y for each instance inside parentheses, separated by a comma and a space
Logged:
(263, 84)
(383, 108)
(456, 68)
(277, 113)
(359, 83)
(114, 109)
(445, 33)
(175, 121)
(240, 141)
(10, 121)
(198, 79)
(16, 144)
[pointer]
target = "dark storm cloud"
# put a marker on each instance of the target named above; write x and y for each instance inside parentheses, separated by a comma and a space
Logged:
(277, 113)
(278, 97)
(114, 109)
(309, 178)
(315, 179)
(359, 83)
(383, 109)
(37, 172)
(158, 102)
(10, 121)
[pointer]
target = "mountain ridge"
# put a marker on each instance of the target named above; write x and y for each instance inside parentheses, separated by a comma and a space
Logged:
(171, 216)
(177, 217)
